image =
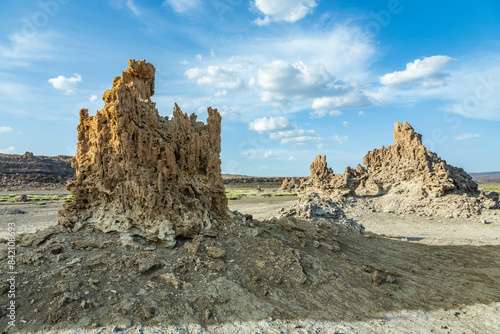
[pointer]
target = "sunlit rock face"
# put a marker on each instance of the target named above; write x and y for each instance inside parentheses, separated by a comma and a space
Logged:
(141, 174)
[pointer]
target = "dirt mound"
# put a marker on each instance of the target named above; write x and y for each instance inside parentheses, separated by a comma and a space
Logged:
(30, 171)
(276, 269)
(404, 177)
(142, 174)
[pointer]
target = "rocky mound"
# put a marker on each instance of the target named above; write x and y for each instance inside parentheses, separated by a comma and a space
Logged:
(404, 177)
(30, 171)
(141, 174)
(286, 268)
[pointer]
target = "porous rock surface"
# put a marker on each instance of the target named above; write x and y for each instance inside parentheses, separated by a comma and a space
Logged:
(403, 178)
(138, 173)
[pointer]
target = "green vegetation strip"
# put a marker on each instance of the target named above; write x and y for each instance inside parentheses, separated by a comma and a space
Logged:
(37, 198)
(489, 187)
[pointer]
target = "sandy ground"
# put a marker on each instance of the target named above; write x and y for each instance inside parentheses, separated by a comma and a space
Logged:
(411, 228)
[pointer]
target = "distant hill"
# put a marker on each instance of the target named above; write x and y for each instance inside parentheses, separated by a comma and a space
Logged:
(486, 177)
(31, 171)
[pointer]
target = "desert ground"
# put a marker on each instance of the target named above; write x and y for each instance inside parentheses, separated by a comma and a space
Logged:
(466, 247)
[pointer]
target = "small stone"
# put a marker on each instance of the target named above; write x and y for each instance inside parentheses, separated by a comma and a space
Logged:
(215, 252)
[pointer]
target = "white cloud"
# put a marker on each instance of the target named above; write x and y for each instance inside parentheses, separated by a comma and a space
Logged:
(5, 129)
(361, 113)
(283, 10)
(346, 124)
(345, 51)
(280, 128)
(472, 89)
(275, 154)
(353, 99)
(426, 71)
(297, 136)
(340, 139)
(92, 98)
(280, 81)
(7, 150)
(466, 136)
(183, 6)
(323, 112)
(66, 84)
(212, 53)
(262, 22)
(199, 57)
(215, 76)
(26, 46)
(221, 93)
(270, 124)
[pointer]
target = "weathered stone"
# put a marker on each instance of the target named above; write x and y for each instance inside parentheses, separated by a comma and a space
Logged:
(404, 177)
(142, 174)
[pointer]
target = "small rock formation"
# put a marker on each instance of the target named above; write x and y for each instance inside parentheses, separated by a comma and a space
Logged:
(326, 183)
(138, 173)
(318, 192)
(292, 184)
(404, 177)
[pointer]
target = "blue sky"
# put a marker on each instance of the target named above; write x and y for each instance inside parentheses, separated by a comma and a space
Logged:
(292, 78)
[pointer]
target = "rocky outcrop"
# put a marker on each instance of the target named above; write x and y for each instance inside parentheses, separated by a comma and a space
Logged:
(404, 177)
(31, 171)
(318, 194)
(407, 166)
(325, 182)
(292, 184)
(141, 174)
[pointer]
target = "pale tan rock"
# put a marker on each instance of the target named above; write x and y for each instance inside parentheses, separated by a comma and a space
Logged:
(142, 174)
(402, 178)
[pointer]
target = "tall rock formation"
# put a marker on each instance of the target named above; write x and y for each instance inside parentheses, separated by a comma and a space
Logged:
(138, 173)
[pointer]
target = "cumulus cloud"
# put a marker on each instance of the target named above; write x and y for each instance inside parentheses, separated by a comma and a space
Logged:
(361, 113)
(271, 124)
(92, 98)
(280, 128)
(5, 129)
(283, 10)
(7, 150)
(346, 124)
(66, 84)
(182, 6)
(280, 81)
(215, 76)
(467, 136)
(426, 71)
